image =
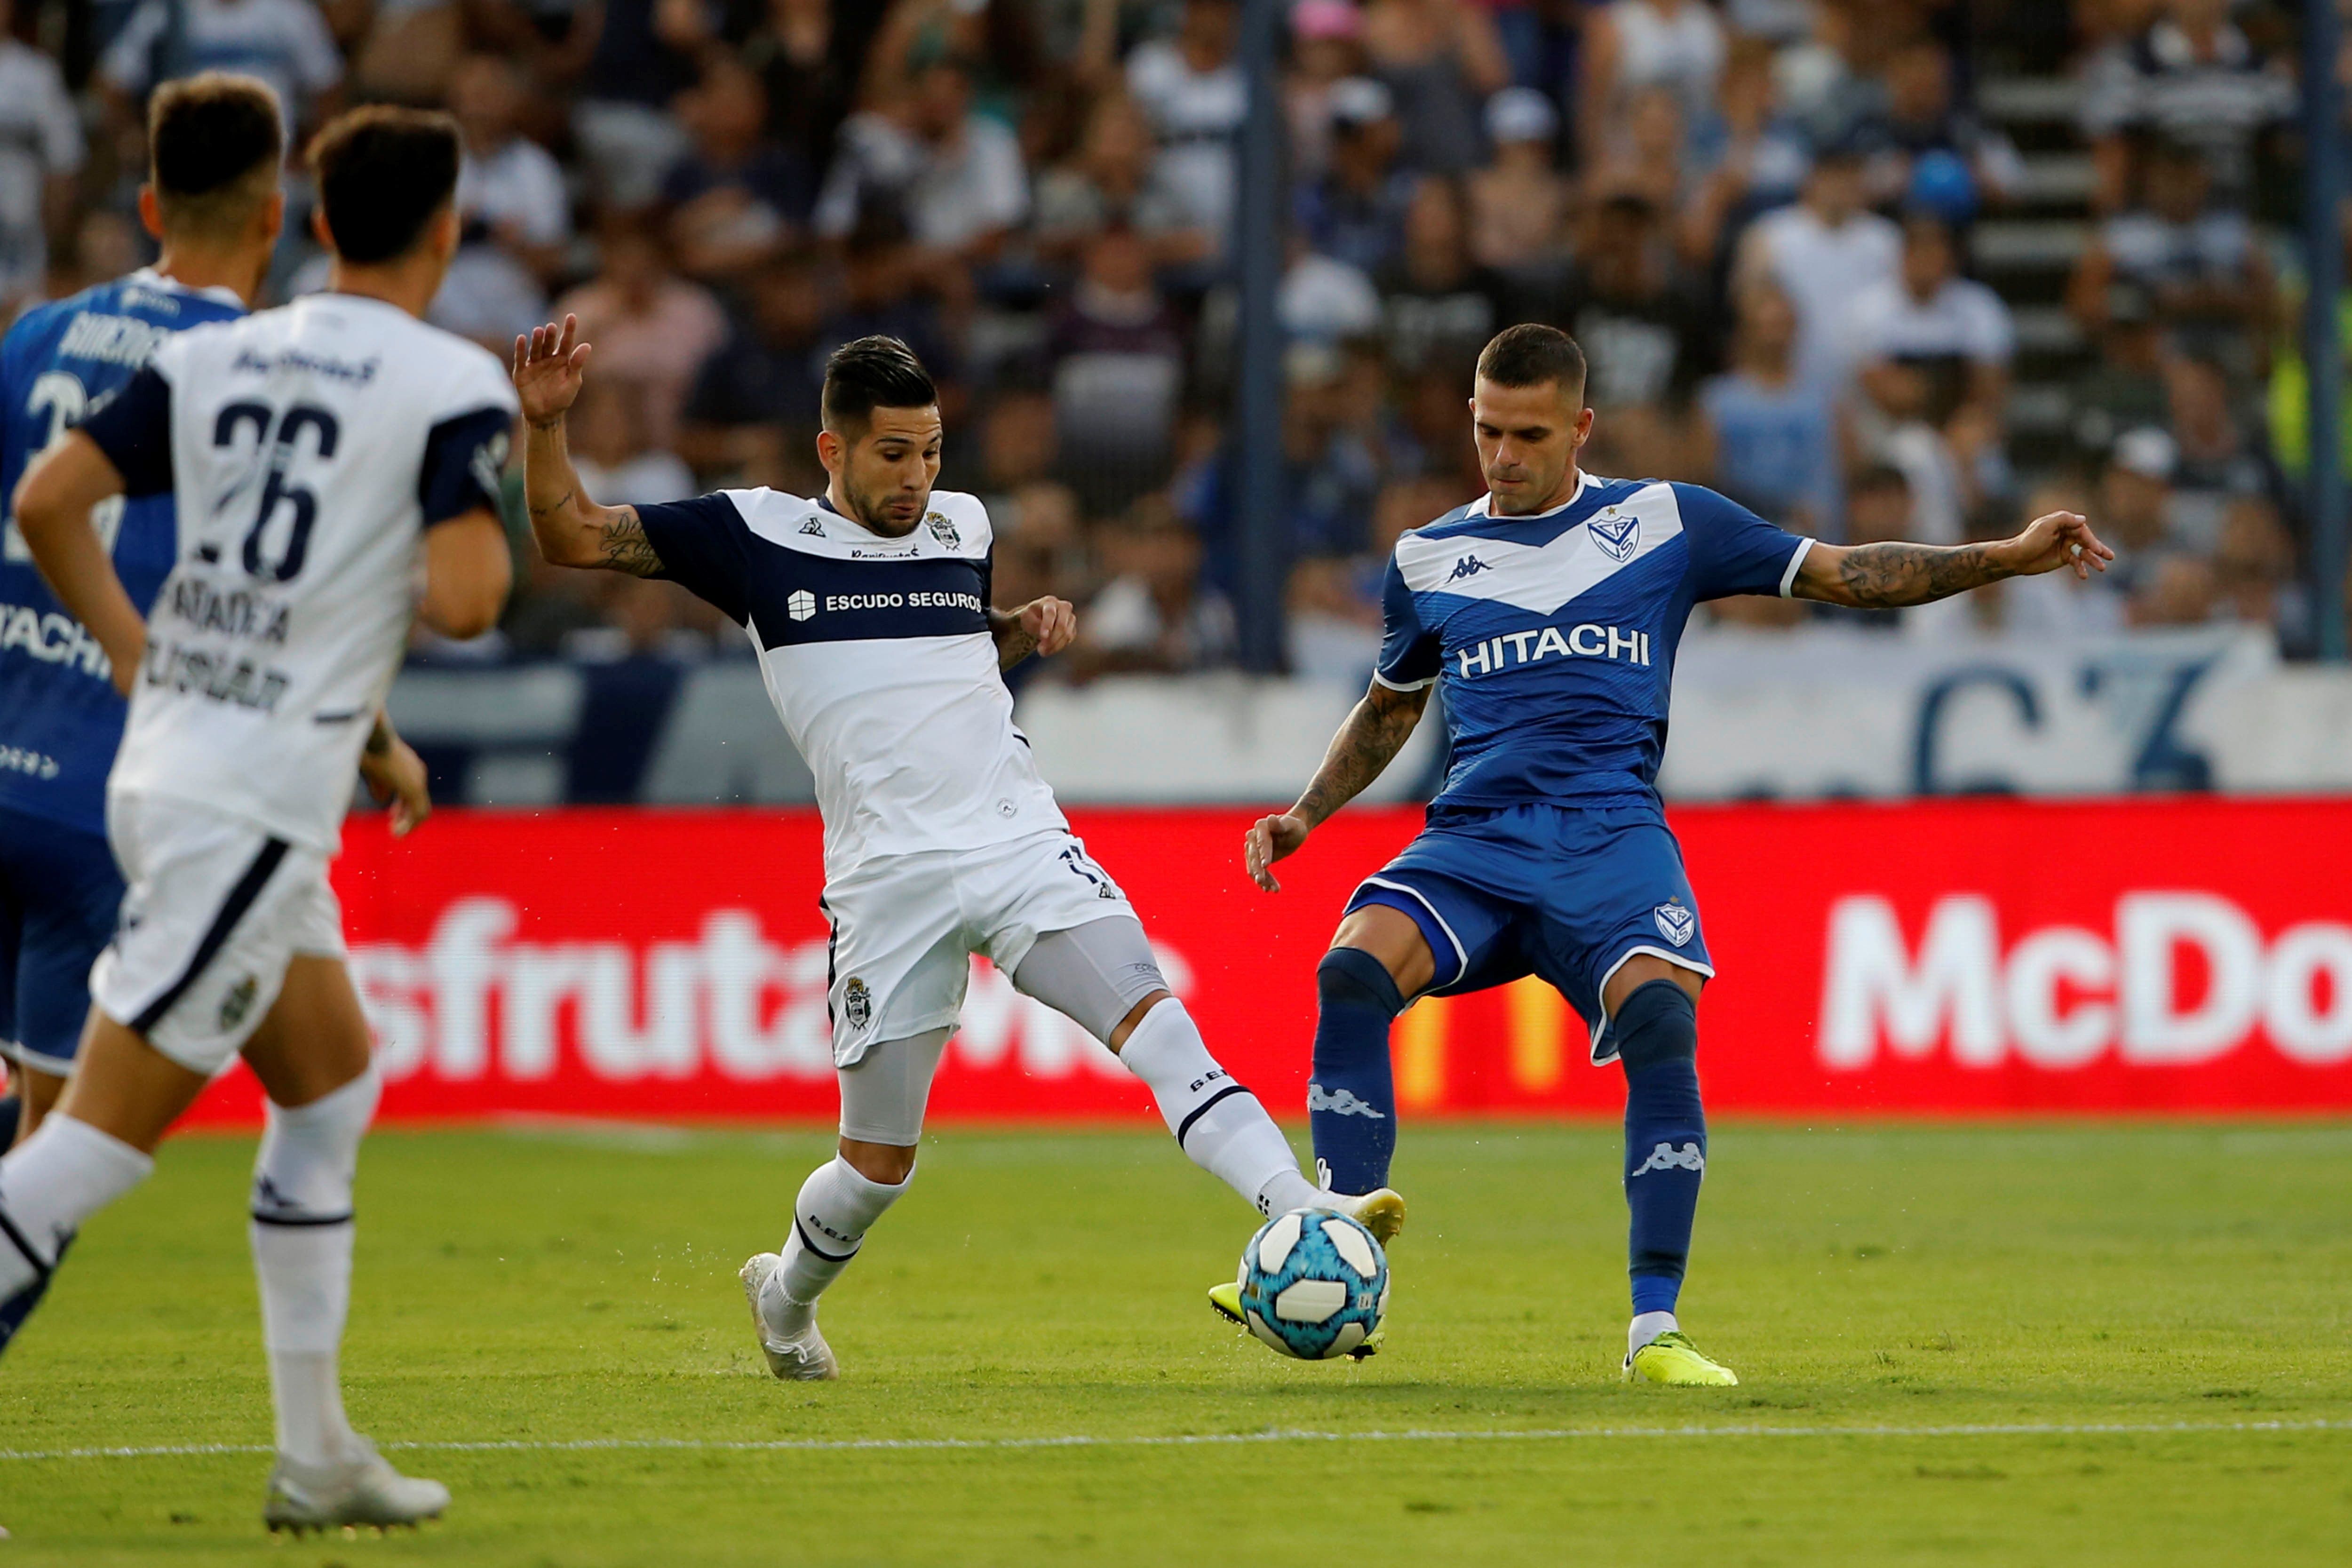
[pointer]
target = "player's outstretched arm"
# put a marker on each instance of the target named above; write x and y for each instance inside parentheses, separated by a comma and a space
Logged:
(52, 514)
(1888, 576)
(550, 367)
(1043, 626)
(1375, 731)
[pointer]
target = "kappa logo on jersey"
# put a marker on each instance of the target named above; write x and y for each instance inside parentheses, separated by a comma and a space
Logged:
(1675, 923)
(943, 530)
(856, 1003)
(1666, 1157)
(801, 604)
(1468, 566)
(1617, 536)
(815, 525)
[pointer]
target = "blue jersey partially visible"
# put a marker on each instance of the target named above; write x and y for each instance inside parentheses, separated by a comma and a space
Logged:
(1552, 638)
(59, 716)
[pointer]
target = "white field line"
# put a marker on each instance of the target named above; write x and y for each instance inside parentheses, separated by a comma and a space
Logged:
(1219, 1440)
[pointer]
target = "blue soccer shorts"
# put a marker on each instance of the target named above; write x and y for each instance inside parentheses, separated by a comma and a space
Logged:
(1567, 893)
(59, 895)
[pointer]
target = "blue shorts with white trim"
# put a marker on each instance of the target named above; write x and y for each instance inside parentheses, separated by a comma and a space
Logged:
(1567, 893)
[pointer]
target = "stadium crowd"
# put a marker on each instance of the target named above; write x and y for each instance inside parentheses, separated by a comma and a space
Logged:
(1758, 217)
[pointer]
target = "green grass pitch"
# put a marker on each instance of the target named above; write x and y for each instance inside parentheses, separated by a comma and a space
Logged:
(2153, 1319)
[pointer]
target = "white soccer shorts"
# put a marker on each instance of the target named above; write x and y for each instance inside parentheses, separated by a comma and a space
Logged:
(905, 929)
(217, 908)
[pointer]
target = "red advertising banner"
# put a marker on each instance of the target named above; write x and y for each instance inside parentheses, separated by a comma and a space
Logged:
(1966, 956)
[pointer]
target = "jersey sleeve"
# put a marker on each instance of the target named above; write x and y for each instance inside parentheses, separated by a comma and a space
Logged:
(1410, 653)
(134, 428)
(1733, 551)
(705, 548)
(465, 462)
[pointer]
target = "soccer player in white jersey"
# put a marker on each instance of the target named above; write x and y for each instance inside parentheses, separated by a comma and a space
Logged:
(328, 458)
(868, 608)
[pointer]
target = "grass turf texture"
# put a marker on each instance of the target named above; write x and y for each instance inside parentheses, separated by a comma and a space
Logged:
(559, 1285)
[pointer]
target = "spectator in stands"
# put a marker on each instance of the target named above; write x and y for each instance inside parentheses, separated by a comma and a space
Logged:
(1331, 441)
(1118, 365)
(1334, 620)
(510, 190)
(1910, 115)
(1324, 299)
(1192, 89)
(1114, 180)
(644, 58)
(2136, 502)
(807, 53)
(1019, 446)
(1826, 252)
(1437, 307)
(1355, 213)
(736, 199)
(2126, 388)
(2254, 573)
(2176, 590)
(1040, 546)
(2201, 264)
(1645, 153)
(1930, 316)
(40, 155)
(1746, 155)
(284, 42)
(1326, 48)
(1644, 327)
(881, 293)
(1441, 59)
(1767, 438)
(1518, 203)
(649, 325)
(2216, 464)
(955, 176)
(618, 463)
(1153, 614)
(2192, 76)
(1630, 45)
(755, 407)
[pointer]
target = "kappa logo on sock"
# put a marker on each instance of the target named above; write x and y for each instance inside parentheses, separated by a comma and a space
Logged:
(1675, 923)
(1666, 1157)
(1340, 1102)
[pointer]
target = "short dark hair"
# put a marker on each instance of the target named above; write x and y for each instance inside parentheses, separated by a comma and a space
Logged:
(874, 373)
(1530, 355)
(383, 173)
(213, 146)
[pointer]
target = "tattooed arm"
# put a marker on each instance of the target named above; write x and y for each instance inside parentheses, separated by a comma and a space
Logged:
(550, 367)
(1374, 733)
(1044, 627)
(1887, 576)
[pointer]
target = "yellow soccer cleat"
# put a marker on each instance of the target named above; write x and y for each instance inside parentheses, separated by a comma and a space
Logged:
(1226, 1301)
(1672, 1360)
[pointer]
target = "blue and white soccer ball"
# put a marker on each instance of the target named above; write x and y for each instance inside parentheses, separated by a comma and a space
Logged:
(1314, 1284)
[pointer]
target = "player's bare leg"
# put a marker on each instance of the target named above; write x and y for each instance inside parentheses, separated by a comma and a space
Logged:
(36, 1093)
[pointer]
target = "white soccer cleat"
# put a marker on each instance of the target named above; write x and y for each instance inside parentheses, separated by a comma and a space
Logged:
(1379, 1211)
(803, 1357)
(363, 1490)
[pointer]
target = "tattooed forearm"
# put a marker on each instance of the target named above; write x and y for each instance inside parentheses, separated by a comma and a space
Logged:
(1885, 576)
(621, 545)
(1013, 642)
(1375, 732)
(554, 506)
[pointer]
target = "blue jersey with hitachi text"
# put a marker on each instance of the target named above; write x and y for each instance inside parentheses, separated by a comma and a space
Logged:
(1552, 638)
(59, 716)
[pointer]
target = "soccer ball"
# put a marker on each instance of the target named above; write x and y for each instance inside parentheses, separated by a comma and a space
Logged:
(1314, 1284)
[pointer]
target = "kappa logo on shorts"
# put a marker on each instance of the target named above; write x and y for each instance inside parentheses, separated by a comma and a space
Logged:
(1675, 923)
(856, 1004)
(239, 1001)
(1617, 536)
(943, 530)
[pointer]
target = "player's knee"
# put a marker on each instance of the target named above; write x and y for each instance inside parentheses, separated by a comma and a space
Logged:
(1658, 1023)
(310, 1153)
(1349, 976)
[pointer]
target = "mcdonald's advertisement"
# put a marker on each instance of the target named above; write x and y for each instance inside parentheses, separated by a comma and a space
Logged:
(1967, 957)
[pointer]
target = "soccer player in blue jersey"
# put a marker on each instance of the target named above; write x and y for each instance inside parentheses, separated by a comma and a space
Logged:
(213, 200)
(1549, 611)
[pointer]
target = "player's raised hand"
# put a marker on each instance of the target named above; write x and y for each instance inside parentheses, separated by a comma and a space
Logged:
(549, 365)
(1052, 624)
(1268, 840)
(2055, 541)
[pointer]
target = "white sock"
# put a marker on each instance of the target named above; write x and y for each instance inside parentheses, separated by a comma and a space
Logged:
(836, 1206)
(65, 1173)
(1648, 1326)
(1219, 1124)
(302, 1233)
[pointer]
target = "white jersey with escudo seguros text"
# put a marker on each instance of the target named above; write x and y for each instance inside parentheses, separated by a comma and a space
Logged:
(310, 449)
(878, 655)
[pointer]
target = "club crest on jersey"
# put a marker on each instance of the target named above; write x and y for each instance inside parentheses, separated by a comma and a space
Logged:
(942, 529)
(238, 1002)
(1675, 923)
(1468, 566)
(1617, 536)
(856, 1003)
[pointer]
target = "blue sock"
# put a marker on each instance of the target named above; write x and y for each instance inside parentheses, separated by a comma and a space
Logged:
(1351, 1102)
(1665, 1136)
(10, 1106)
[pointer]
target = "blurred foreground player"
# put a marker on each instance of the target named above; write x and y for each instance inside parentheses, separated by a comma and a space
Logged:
(868, 608)
(212, 199)
(328, 458)
(1549, 610)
